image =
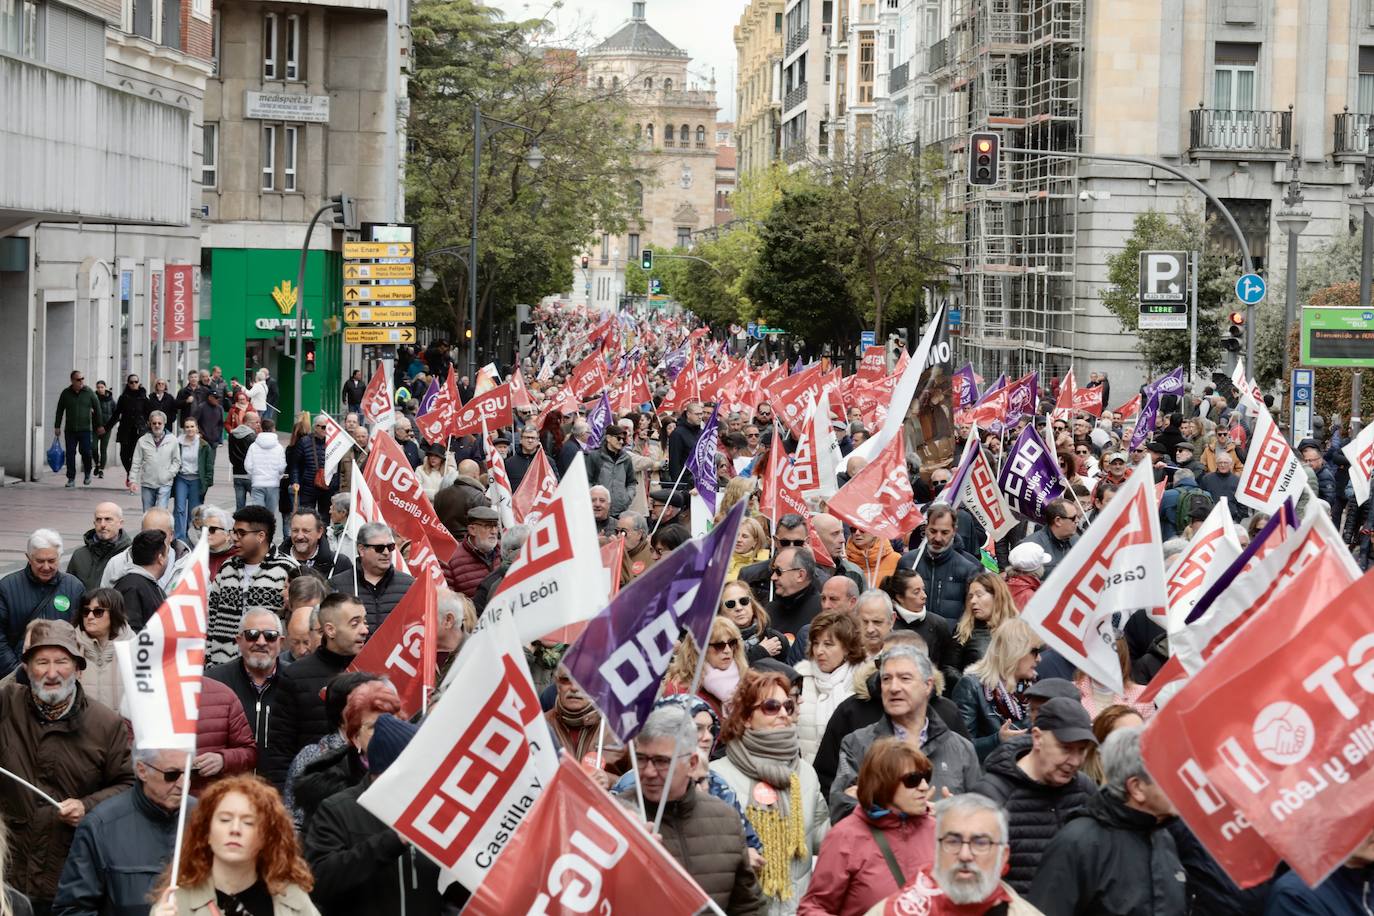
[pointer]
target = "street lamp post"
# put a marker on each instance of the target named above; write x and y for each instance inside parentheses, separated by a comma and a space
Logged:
(1293, 219)
(534, 158)
(1365, 201)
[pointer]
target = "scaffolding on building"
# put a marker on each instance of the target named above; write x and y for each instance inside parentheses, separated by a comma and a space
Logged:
(1015, 66)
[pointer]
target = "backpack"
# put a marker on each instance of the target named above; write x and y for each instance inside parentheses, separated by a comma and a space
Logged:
(1187, 499)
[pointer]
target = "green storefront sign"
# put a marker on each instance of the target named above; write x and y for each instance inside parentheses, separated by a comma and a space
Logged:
(1337, 336)
(252, 310)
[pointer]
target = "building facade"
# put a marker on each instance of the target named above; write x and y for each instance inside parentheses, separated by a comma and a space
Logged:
(758, 100)
(807, 67)
(100, 133)
(675, 121)
(308, 100)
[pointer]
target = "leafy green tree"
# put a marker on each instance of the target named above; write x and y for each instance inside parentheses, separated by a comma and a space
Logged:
(1154, 231)
(531, 222)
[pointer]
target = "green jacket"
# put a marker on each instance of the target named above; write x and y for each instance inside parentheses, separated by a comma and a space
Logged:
(206, 467)
(81, 408)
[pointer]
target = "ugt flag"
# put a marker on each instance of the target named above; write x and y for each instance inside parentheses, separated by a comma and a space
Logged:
(403, 649)
(162, 666)
(337, 443)
(580, 851)
(476, 767)
(622, 655)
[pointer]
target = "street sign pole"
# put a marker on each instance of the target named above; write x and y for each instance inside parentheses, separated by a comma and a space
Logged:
(1192, 335)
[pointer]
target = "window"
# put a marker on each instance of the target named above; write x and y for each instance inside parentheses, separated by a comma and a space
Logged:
(601, 82)
(1364, 95)
(649, 133)
(269, 46)
(634, 245)
(637, 195)
(777, 23)
(288, 158)
(605, 248)
(668, 135)
(214, 43)
(684, 135)
(19, 28)
(201, 8)
(269, 157)
(684, 236)
(1233, 80)
(292, 67)
(648, 82)
(209, 163)
(615, 82)
(667, 85)
(701, 137)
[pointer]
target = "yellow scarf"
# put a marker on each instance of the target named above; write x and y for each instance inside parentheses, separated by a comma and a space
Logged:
(784, 839)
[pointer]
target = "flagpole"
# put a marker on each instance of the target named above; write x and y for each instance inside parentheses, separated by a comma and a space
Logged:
(181, 820)
(601, 743)
(672, 763)
(664, 511)
(639, 788)
(31, 787)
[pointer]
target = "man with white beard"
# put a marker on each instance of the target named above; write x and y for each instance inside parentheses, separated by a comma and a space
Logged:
(73, 749)
(971, 848)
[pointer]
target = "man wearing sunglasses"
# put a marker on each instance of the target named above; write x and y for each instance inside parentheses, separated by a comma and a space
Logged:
(122, 844)
(796, 596)
(376, 583)
(1060, 532)
(790, 532)
(255, 577)
(253, 675)
(906, 678)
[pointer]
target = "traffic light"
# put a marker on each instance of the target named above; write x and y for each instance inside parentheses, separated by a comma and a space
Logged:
(309, 365)
(346, 209)
(646, 259)
(586, 262)
(984, 159)
(1234, 341)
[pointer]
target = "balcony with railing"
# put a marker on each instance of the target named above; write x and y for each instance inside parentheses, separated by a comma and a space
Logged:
(896, 79)
(1352, 133)
(938, 57)
(798, 38)
(794, 97)
(1222, 131)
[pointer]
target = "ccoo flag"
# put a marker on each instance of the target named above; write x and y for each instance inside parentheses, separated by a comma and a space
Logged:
(622, 655)
(701, 464)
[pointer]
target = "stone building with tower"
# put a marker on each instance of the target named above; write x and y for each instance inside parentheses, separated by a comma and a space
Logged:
(674, 117)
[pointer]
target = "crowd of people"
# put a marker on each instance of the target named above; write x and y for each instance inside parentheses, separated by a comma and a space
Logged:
(873, 730)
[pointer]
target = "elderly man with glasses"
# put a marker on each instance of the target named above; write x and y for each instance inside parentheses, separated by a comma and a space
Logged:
(797, 598)
(1060, 532)
(254, 578)
(375, 583)
(253, 675)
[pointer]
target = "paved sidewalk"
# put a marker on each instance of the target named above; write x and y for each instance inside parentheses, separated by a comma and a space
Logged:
(47, 503)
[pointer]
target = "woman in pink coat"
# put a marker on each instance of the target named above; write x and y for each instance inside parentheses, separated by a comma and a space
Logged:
(884, 843)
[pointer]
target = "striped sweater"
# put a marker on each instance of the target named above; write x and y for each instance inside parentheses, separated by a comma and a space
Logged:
(231, 596)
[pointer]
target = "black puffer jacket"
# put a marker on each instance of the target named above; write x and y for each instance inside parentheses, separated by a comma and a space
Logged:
(301, 717)
(1037, 811)
(938, 634)
(378, 600)
(325, 777)
(1110, 860)
(259, 706)
(363, 866)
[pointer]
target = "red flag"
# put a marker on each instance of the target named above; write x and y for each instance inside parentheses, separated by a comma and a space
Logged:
(492, 409)
(873, 366)
(403, 648)
(379, 408)
(684, 387)
(589, 377)
(580, 851)
(778, 495)
(438, 424)
(1279, 721)
(879, 499)
(790, 404)
(519, 393)
(402, 500)
(1129, 409)
(536, 488)
(602, 329)
(1088, 400)
(991, 407)
(1063, 404)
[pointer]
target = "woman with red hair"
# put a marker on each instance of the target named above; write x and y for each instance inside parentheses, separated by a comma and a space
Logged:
(239, 855)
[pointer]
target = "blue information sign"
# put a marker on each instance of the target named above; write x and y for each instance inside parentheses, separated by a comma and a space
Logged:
(1250, 289)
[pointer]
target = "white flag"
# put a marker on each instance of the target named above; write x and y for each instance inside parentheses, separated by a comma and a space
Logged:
(1214, 547)
(974, 486)
(162, 665)
(902, 395)
(1116, 565)
(558, 578)
(1247, 392)
(1272, 473)
(1361, 455)
(480, 759)
(337, 443)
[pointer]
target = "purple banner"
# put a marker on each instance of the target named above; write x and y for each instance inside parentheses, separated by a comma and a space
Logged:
(1169, 383)
(701, 464)
(622, 655)
(427, 401)
(966, 387)
(1145, 421)
(676, 360)
(1022, 398)
(1030, 477)
(598, 418)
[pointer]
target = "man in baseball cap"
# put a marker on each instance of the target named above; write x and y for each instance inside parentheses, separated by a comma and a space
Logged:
(1036, 779)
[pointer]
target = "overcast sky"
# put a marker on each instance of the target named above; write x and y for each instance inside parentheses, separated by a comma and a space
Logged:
(703, 28)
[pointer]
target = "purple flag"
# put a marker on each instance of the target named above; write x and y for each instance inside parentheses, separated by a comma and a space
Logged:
(1022, 396)
(676, 360)
(1030, 477)
(966, 387)
(427, 401)
(622, 655)
(1169, 383)
(1145, 421)
(701, 464)
(598, 418)
(1286, 516)
(797, 366)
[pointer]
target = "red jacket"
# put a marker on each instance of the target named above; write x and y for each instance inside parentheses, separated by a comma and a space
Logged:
(851, 874)
(1022, 586)
(466, 569)
(223, 729)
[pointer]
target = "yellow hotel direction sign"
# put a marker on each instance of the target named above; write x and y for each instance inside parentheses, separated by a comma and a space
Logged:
(379, 335)
(354, 250)
(354, 271)
(378, 294)
(366, 314)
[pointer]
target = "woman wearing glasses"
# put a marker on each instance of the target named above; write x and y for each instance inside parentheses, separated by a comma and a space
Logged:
(725, 666)
(761, 641)
(240, 855)
(763, 765)
(99, 625)
(884, 843)
(991, 695)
